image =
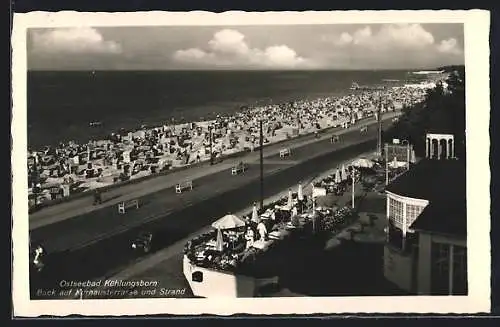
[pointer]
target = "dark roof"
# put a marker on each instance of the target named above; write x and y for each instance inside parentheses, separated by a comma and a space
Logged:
(433, 180)
(448, 218)
(443, 184)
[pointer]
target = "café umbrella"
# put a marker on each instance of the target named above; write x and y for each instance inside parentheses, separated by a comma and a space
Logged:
(300, 193)
(229, 221)
(395, 163)
(412, 157)
(338, 178)
(219, 244)
(255, 216)
(290, 199)
(344, 173)
(362, 162)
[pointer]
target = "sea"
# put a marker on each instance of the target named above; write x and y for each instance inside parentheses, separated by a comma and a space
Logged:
(61, 105)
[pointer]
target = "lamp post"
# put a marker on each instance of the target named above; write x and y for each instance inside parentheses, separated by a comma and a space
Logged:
(261, 143)
(352, 193)
(405, 142)
(386, 167)
(379, 125)
(210, 127)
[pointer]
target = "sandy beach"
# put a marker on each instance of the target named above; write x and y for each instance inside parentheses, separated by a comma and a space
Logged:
(67, 169)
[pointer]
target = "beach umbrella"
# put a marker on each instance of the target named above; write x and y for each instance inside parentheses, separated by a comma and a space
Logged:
(300, 194)
(344, 173)
(290, 199)
(255, 216)
(338, 178)
(228, 222)
(219, 244)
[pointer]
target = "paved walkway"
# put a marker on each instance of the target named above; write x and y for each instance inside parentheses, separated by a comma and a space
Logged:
(66, 210)
(175, 249)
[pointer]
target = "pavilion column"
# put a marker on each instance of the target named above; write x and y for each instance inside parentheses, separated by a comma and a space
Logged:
(427, 154)
(404, 227)
(450, 270)
(388, 219)
(440, 149)
(431, 148)
(448, 148)
(452, 146)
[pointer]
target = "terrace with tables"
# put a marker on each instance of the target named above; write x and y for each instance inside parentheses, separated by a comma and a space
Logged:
(251, 245)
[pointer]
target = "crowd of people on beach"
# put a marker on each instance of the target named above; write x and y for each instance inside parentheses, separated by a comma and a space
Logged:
(69, 168)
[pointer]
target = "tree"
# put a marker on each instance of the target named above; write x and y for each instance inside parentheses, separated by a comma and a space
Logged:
(442, 111)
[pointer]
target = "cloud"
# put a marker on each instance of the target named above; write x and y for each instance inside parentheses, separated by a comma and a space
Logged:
(449, 46)
(192, 54)
(230, 49)
(392, 45)
(230, 42)
(388, 36)
(73, 40)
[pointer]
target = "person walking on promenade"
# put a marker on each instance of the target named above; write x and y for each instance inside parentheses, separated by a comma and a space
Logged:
(97, 197)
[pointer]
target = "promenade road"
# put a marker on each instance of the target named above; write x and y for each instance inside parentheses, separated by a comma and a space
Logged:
(91, 227)
(79, 206)
(98, 244)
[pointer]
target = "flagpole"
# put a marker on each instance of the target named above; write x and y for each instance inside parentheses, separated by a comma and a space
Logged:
(408, 156)
(386, 168)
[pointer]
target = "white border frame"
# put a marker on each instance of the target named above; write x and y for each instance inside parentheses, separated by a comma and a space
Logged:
(476, 38)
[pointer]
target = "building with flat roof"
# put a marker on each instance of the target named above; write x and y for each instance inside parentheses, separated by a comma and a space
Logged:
(425, 252)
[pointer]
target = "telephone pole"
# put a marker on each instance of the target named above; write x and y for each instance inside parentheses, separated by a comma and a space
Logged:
(261, 165)
(353, 191)
(379, 123)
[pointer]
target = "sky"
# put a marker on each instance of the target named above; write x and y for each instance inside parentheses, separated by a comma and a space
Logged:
(279, 47)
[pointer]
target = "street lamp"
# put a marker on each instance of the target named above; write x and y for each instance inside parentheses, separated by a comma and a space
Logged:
(405, 142)
(379, 124)
(261, 144)
(352, 193)
(386, 166)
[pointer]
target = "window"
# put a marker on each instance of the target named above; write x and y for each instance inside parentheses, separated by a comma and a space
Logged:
(197, 276)
(441, 265)
(395, 237)
(412, 212)
(459, 270)
(440, 254)
(396, 212)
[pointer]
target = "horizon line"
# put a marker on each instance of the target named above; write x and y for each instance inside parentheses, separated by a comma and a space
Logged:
(245, 70)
